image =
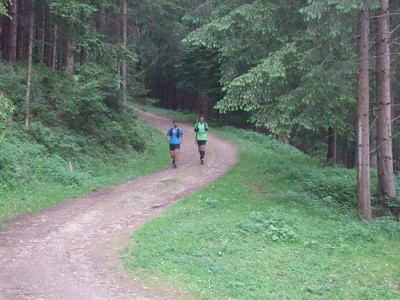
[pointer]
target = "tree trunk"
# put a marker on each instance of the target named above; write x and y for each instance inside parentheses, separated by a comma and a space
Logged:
(386, 184)
(3, 39)
(54, 49)
(124, 42)
(100, 19)
(41, 32)
(117, 24)
(47, 42)
(11, 42)
(283, 137)
(107, 25)
(29, 76)
(83, 56)
(373, 138)
(69, 56)
(363, 161)
(332, 142)
(396, 142)
(20, 30)
(349, 158)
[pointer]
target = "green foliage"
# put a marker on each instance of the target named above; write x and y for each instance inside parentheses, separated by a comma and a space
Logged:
(6, 109)
(389, 225)
(336, 183)
(198, 67)
(79, 138)
(72, 16)
(42, 166)
(272, 226)
(259, 235)
(297, 78)
(3, 6)
(63, 107)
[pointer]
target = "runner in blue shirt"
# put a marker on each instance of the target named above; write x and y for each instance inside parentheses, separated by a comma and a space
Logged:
(175, 138)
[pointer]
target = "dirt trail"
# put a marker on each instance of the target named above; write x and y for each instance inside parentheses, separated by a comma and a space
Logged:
(72, 251)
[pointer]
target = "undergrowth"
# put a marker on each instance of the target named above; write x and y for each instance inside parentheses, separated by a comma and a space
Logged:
(79, 138)
(277, 226)
(42, 166)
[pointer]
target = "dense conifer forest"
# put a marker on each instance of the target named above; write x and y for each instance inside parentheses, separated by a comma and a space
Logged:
(303, 72)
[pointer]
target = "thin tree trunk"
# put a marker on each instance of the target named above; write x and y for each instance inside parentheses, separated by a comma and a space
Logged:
(100, 19)
(124, 42)
(29, 76)
(107, 25)
(363, 162)
(373, 138)
(40, 32)
(11, 49)
(20, 30)
(3, 38)
(332, 143)
(69, 57)
(396, 142)
(349, 158)
(48, 35)
(386, 184)
(117, 24)
(83, 56)
(54, 50)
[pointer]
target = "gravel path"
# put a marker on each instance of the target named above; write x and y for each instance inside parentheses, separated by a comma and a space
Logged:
(72, 251)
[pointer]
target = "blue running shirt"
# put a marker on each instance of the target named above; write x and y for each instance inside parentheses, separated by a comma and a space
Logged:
(174, 139)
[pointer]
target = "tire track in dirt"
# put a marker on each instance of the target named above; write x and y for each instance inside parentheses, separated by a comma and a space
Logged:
(72, 251)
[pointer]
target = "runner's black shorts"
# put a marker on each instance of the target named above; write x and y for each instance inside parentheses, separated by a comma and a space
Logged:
(173, 147)
(201, 143)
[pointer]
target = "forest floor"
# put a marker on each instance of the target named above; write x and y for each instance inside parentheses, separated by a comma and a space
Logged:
(72, 251)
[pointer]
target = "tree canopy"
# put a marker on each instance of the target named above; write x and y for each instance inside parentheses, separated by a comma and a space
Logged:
(284, 68)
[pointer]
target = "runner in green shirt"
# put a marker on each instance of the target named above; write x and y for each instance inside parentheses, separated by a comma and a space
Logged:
(201, 128)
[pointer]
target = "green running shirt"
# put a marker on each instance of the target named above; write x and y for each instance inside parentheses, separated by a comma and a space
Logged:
(201, 135)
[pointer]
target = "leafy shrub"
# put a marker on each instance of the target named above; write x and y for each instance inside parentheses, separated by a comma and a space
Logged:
(121, 130)
(55, 169)
(274, 225)
(6, 109)
(12, 159)
(13, 88)
(355, 232)
(340, 186)
(389, 225)
(55, 140)
(325, 183)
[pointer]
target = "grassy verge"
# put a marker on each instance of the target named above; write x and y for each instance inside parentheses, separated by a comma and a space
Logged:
(39, 179)
(275, 227)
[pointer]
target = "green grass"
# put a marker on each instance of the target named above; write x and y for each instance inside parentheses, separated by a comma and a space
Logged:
(39, 180)
(270, 230)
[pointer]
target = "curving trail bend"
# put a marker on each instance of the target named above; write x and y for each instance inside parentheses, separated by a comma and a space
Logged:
(72, 251)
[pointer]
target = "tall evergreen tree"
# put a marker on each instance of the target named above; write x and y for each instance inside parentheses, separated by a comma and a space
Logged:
(386, 183)
(363, 168)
